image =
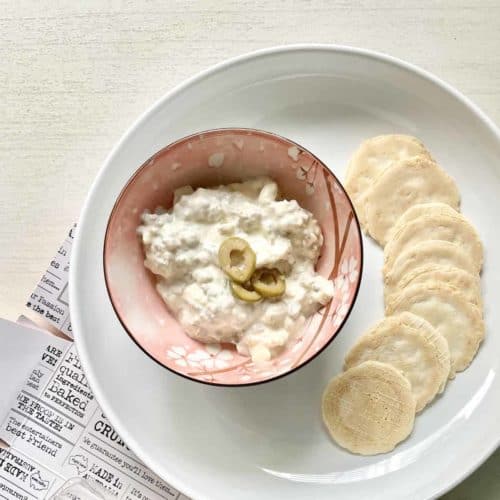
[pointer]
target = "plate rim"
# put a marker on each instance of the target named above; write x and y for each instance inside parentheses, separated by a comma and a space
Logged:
(382, 57)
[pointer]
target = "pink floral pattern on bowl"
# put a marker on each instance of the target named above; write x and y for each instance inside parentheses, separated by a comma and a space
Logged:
(213, 158)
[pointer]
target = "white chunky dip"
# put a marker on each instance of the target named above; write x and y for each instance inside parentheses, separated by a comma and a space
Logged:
(182, 246)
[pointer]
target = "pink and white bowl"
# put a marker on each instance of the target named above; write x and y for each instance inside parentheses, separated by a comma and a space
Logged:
(219, 157)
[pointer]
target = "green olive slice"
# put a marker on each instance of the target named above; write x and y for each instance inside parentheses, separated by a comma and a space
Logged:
(237, 259)
(268, 282)
(244, 293)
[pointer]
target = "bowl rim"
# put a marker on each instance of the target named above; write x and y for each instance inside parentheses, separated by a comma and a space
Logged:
(215, 131)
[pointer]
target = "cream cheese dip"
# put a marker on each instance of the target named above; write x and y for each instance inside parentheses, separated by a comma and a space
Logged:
(182, 245)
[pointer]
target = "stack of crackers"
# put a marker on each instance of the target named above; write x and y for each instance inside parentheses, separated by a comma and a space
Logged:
(434, 321)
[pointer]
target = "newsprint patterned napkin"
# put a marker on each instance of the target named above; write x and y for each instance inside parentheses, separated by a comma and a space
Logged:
(53, 427)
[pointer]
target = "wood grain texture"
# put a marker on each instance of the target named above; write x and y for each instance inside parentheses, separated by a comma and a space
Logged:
(74, 75)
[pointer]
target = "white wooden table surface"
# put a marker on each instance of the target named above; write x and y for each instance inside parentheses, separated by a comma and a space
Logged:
(74, 75)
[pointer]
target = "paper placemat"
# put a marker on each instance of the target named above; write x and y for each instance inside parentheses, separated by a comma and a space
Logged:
(53, 426)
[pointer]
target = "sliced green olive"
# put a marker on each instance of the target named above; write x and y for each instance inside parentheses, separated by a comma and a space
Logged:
(268, 282)
(244, 292)
(237, 259)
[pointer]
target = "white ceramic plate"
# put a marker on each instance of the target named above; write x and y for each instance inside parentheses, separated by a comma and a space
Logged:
(268, 441)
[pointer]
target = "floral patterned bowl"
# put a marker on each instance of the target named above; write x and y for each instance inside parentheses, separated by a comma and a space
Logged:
(212, 158)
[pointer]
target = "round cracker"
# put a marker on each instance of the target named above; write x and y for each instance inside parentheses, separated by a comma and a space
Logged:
(463, 281)
(449, 312)
(424, 253)
(435, 225)
(404, 184)
(413, 346)
(371, 158)
(369, 408)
